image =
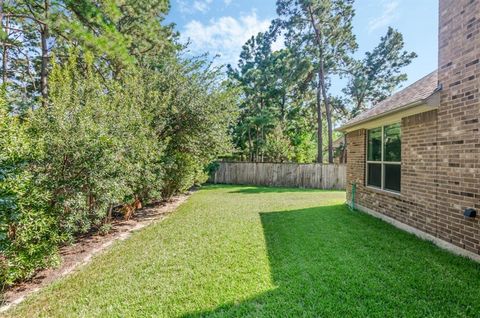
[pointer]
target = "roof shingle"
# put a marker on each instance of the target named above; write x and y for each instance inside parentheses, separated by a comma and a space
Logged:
(416, 92)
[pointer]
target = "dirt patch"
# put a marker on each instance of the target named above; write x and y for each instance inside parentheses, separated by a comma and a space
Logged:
(86, 247)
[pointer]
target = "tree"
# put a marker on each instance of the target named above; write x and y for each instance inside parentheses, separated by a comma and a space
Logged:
(272, 92)
(118, 33)
(322, 30)
(38, 27)
(141, 21)
(278, 146)
(256, 79)
(199, 108)
(376, 76)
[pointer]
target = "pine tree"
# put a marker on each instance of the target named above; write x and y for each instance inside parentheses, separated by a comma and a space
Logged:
(375, 77)
(322, 30)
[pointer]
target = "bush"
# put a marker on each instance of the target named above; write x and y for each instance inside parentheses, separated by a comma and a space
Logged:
(200, 110)
(80, 160)
(28, 232)
(278, 147)
(101, 143)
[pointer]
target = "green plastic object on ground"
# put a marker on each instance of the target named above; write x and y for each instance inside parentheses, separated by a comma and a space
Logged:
(354, 189)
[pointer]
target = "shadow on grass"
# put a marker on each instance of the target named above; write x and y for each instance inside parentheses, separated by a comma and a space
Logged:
(252, 189)
(256, 190)
(330, 262)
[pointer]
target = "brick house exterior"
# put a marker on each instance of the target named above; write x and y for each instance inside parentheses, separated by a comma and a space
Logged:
(440, 140)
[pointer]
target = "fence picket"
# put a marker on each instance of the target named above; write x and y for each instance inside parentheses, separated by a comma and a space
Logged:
(316, 176)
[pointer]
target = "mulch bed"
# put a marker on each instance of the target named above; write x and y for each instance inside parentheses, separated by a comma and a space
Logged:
(88, 246)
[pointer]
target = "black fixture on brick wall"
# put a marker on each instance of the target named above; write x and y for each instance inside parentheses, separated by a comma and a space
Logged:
(470, 213)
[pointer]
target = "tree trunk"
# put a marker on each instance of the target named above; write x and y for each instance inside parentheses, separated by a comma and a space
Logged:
(319, 123)
(320, 86)
(263, 143)
(250, 148)
(283, 112)
(4, 44)
(257, 144)
(328, 113)
(5, 53)
(44, 33)
(1, 12)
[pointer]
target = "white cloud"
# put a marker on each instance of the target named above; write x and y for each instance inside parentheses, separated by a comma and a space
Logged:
(183, 6)
(388, 15)
(227, 2)
(224, 36)
(197, 5)
(202, 6)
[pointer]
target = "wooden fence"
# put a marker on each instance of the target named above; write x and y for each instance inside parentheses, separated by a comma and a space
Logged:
(316, 176)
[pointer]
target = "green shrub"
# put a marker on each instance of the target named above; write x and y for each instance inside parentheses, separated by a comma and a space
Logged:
(199, 109)
(278, 147)
(28, 232)
(100, 143)
(212, 168)
(79, 160)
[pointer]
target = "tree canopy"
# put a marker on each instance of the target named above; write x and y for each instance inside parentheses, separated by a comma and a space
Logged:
(376, 76)
(287, 93)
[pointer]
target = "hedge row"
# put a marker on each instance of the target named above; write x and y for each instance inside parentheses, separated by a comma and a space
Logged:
(102, 143)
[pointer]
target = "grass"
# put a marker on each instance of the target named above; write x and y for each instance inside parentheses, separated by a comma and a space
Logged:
(264, 252)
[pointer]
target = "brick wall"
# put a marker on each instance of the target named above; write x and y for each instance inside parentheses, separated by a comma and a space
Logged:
(441, 148)
(416, 205)
(356, 159)
(419, 157)
(458, 121)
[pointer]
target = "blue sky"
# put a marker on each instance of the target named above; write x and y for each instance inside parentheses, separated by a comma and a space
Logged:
(221, 27)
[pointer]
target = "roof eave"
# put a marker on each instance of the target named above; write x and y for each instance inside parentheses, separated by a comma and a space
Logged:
(431, 101)
(378, 116)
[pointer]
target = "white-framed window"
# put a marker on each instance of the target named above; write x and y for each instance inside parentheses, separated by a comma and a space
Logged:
(384, 157)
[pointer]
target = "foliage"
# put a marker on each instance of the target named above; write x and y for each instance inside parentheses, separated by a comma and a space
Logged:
(102, 143)
(290, 87)
(140, 22)
(273, 95)
(304, 147)
(100, 149)
(278, 147)
(376, 76)
(211, 168)
(199, 109)
(119, 33)
(28, 236)
(321, 30)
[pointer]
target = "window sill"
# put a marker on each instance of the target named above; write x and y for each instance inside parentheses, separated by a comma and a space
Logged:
(382, 191)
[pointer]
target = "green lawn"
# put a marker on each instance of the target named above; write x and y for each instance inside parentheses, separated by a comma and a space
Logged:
(265, 252)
